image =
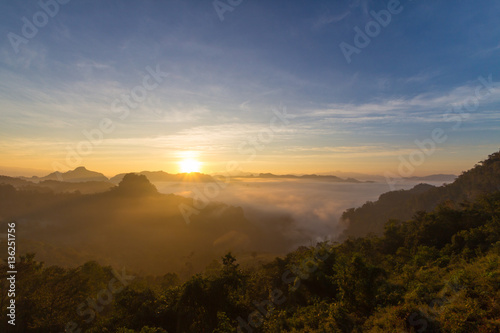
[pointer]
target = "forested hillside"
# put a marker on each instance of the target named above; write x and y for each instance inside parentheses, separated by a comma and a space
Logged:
(133, 225)
(439, 272)
(403, 204)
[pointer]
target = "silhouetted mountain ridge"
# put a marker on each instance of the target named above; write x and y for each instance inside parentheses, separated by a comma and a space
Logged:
(162, 176)
(80, 174)
(484, 178)
(434, 178)
(330, 178)
(84, 187)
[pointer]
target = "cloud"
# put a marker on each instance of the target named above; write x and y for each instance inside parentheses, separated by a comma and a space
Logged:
(434, 103)
(421, 77)
(312, 208)
(32, 57)
(328, 19)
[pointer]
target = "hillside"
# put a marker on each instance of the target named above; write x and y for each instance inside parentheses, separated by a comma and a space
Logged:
(14, 181)
(84, 187)
(134, 225)
(437, 273)
(403, 204)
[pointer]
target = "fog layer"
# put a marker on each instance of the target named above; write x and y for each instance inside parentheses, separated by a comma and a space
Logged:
(302, 211)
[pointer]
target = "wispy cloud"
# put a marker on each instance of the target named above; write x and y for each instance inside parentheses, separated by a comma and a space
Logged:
(328, 19)
(435, 104)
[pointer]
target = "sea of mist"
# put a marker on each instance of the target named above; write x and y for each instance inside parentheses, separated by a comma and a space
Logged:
(312, 209)
(256, 219)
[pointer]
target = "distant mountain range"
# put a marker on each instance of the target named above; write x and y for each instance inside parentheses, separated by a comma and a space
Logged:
(161, 176)
(445, 178)
(329, 178)
(84, 187)
(83, 175)
(434, 178)
(80, 174)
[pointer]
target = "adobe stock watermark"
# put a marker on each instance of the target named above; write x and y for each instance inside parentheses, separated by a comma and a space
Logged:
(29, 29)
(427, 147)
(249, 147)
(120, 107)
(223, 6)
(372, 29)
(292, 277)
(91, 307)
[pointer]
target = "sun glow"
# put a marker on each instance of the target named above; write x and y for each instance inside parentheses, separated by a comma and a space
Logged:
(189, 165)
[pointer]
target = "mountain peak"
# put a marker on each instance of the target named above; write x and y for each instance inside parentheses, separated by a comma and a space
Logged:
(80, 174)
(136, 185)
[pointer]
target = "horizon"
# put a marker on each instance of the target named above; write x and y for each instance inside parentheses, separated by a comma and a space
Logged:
(27, 173)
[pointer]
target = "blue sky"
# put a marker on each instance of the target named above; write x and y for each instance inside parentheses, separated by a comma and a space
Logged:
(225, 78)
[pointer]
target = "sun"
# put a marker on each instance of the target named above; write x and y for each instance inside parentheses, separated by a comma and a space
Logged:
(189, 165)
